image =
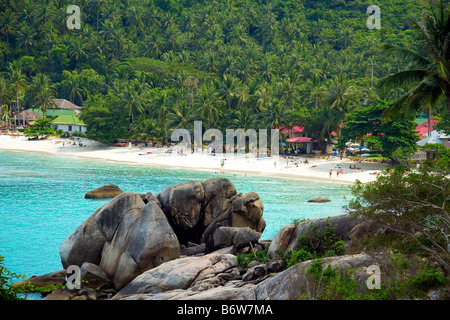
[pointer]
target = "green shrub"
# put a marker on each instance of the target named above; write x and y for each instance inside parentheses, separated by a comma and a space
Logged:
(315, 243)
(245, 258)
(299, 256)
(428, 279)
(330, 283)
(317, 240)
(7, 292)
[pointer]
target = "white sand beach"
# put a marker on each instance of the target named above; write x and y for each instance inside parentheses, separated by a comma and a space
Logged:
(315, 169)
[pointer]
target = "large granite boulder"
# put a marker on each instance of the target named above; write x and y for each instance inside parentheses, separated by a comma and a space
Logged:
(181, 273)
(182, 204)
(245, 211)
(233, 236)
(51, 279)
(104, 192)
(192, 205)
(218, 197)
(124, 238)
(141, 242)
(134, 232)
(345, 227)
(290, 284)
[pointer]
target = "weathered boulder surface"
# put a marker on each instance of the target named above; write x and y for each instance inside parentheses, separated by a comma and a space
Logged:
(141, 242)
(93, 276)
(104, 192)
(124, 238)
(289, 284)
(50, 279)
(320, 200)
(192, 205)
(180, 273)
(135, 232)
(234, 236)
(287, 237)
(245, 211)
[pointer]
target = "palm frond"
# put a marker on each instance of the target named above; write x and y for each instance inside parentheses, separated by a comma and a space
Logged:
(429, 90)
(402, 78)
(405, 54)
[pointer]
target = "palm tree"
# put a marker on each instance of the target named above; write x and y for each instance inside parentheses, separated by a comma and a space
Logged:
(19, 82)
(161, 109)
(5, 92)
(209, 105)
(341, 95)
(25, 37)
(181, 115)
(74, 90)
(427, 74)
(263, 97)
(45, 99)
(96, 7)
(8, 24)
(78, 49)
(133, 99)
(228, 90)
(244, 119)
(277, 115)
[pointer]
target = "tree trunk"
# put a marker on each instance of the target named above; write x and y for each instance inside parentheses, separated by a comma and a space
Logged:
(447, 95)
(429, 120)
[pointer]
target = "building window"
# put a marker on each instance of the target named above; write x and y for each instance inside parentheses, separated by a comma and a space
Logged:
(70, 128)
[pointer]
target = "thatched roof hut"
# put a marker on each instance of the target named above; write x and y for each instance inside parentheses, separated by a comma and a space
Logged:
(27, 116)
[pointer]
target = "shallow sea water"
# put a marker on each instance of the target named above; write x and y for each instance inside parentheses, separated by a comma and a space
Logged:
(42, 201)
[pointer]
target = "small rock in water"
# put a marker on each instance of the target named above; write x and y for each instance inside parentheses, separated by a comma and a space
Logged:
(104, 192)
(320, 200)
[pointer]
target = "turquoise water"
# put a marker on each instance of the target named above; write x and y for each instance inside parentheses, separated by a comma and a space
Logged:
(42, 201)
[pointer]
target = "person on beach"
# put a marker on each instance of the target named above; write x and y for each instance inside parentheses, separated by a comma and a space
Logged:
(331, 172)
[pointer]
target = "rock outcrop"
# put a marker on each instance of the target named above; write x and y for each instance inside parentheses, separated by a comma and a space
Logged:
(133, 232)
(104, 192)
(124, 238)
(345, 227)
(320, 200)
(182, 242)
(254, 284)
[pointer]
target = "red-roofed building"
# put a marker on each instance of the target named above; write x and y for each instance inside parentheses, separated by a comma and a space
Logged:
(423, 128)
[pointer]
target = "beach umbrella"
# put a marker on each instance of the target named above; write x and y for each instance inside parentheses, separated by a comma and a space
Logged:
(365, 155)
(351, 149)
(334, 153)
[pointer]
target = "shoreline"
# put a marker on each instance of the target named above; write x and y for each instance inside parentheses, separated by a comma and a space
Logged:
(316, 170)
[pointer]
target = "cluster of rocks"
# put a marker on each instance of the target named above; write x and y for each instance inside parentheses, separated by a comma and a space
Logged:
(182, 243)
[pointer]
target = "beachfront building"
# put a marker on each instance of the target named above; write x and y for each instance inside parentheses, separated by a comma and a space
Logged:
(27, 118)
(69, 123)
(297, 142)
(431, 137)
(62, 107)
